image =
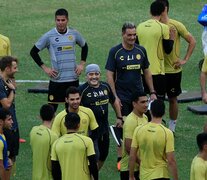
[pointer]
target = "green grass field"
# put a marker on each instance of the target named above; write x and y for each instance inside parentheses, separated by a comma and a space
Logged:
(100, 21)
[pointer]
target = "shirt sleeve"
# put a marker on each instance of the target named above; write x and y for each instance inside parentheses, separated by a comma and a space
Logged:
(169, 142)
(111, 62)
(90, 147)
(43, 42)
(53, 152)
(93, 122)
(79, 39)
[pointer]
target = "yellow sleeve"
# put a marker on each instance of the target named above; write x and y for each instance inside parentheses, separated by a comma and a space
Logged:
(93, 122)
(57, 126)
(90, 146)
(129, 126)
(170, 142)
(1, 149)
(53, 152)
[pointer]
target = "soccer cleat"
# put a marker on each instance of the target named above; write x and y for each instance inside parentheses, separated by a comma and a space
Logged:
(119, 165)
(22, 140)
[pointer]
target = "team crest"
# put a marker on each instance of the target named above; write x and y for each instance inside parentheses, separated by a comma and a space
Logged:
(138, 56)
(70, 38)
(51, 97)
(105, 92)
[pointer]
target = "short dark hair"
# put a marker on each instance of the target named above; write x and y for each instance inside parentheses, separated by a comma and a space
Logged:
(136, 95)
(128, 25)
(201, 140)
(72, 120)
(47, 112)
(72, 90)
(61, 12)
(157, 108)
(6, 61)
(4, 113)
(166, 4)
(157, 8)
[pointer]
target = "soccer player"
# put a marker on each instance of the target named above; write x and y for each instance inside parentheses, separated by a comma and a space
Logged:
(124, 65)
(88, 120)
(8, 67)
(5, 163)
(73, 155)
(5, 46)
(133, 120)
(41, 140)
(203, 76)
(155, 38)
(153, 147)
(199, 163)
(60, 42)
(174, 63)
(96, 95)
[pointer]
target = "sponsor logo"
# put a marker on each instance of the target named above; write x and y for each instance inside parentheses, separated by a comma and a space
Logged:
(132, 67)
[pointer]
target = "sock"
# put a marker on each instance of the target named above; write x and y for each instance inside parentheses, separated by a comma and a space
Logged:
(172, 124)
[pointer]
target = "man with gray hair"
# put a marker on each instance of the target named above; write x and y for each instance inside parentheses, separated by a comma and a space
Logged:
(96, 95)
(124, 65)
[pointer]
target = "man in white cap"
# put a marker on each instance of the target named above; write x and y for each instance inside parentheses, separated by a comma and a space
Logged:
(96, 95)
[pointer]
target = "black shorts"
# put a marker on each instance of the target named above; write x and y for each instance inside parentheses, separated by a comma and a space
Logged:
(124, 175)
(159, 85)
(126, 108)
(173, 84)
(162, 179)
(12, 139)
(101, 146)
(57, 90)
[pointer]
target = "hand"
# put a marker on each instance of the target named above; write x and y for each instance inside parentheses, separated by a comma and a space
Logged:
(79, 69)
(153, 97)
(50, 72)
(179, 63)
(10, 84)
(119, 123)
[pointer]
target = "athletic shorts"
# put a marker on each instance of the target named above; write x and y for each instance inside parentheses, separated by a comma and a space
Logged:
(57, 90)
(173, 84)
(159, 85)
(124, 175)
(162, 179)
(12, 139)
(126, 108)
(101, 146)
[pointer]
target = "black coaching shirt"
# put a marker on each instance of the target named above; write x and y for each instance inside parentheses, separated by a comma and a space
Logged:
(97, 99)
(127, 66)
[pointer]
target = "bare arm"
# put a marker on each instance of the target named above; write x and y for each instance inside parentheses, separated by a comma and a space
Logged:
(2, 171)
(172, 165)
(117, 109)
(84, 54)
(191, 45)
(149, 81)
(127, 144)
(132, 161)
(110, 80)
